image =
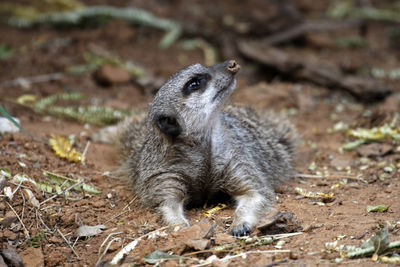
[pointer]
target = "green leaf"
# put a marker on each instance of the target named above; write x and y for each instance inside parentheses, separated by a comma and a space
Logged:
(40, 185)
(157, 256)
(67, 182)
(353, 145)
(5, 172)
(379, 208)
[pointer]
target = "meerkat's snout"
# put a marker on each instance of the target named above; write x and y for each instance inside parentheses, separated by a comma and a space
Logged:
(233, 66)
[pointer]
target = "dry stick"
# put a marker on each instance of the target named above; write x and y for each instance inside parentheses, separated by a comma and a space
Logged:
(299, 30)
(338, 176)
(230, 246)
(19, 185)
(245, 253)
(106, 249)
(23, 206)
(105, 240)
(23, 225)
(298, 68)
(85, 152)
(123, 211)
(23, 81)
(128, 248)
(280, 236)
(73, 250)
(76, 240)
(40, 218)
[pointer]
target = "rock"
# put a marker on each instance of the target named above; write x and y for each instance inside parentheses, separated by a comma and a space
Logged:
(99, 203)
(341, 163)
(12, 257)
(2, 263)
(7, 221)
(223, 238)
(10, 235)
(197, 231)
(198, 244)
(109, 74)
(33, 257)
(374, 150)
(281, 222)
(6, 126)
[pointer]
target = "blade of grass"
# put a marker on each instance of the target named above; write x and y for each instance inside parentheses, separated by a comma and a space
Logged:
(10, 118)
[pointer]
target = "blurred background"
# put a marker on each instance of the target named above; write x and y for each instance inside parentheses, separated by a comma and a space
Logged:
(346, 45)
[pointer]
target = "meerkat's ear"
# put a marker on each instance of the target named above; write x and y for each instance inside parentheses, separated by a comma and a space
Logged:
(168, 125)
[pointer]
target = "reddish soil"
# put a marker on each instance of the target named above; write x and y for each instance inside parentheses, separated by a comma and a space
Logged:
(314, 110)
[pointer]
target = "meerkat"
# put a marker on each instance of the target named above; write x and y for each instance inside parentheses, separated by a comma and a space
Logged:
(193, 145)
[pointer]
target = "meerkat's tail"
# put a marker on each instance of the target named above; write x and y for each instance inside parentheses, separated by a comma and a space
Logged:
(288, 135)
(285, 131)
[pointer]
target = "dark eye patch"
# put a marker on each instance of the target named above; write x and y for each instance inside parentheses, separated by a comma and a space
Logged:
(196, 83)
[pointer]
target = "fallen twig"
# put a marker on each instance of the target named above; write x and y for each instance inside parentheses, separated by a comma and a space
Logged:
(128, 248)
(63, 237)
(336, 176)
(107, 247)
(85, 152)
(25, 82)
(364, 89)
(227, 258)
(22, 223)
(122, 212)
(299, 30)
(106, 239)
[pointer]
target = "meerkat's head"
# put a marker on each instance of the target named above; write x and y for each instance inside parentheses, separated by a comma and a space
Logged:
(188, 102)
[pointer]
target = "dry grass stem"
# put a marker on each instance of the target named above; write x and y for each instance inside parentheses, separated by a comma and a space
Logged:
(63, 237)
(23, 225)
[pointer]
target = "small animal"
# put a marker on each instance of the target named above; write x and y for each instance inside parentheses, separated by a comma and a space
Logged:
(193, 146)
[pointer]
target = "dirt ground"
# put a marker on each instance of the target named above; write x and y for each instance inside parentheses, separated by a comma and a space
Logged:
(368, 175)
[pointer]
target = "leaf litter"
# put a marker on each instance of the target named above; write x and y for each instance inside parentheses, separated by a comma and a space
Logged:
(63, 148)
(378, 208)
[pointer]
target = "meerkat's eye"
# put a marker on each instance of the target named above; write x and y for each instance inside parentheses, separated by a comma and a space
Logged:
(196, 83)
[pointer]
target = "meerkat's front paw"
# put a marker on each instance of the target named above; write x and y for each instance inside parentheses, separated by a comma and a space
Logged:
(240, 230)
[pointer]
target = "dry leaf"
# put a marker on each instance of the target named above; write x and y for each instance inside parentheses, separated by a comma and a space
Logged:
(211, 211)
(378, 208)
(8, 192)
(63, 148)
(86, 230)
(315, 195)
(26, 98)
(31, 198)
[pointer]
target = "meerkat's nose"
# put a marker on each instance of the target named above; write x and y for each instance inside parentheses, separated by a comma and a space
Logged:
(233, 66)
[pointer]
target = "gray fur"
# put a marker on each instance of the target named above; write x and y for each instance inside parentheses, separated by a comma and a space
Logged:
(220, 148)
